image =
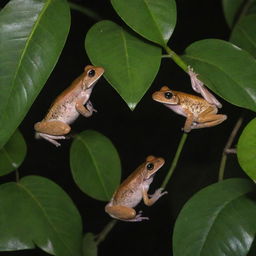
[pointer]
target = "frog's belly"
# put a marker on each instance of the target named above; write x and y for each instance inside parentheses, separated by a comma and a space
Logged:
(68, 113)
(132, 198)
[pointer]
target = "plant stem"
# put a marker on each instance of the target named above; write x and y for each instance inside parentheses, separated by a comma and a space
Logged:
(227, 148)
(88, 12)
(176, 58)
(175, 160)
(102, 235)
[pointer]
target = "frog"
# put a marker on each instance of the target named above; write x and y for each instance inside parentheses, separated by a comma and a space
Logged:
(68, 106)
(135, 188)
(199, 112)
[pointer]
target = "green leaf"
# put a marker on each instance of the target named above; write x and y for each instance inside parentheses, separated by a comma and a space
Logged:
(95, 165)
(154, 20)
(89, 245)
(32, 35)
(13, 153)
(37, 212)
(234, 10)
(246, 149)
(218, 220)
(226, 69)
(130, 64)
(231, 10)
(244, 34)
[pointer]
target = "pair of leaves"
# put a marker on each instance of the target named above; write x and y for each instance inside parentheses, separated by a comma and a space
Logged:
(130, 62)
(37, 212)
(32, 37)
(218, 220)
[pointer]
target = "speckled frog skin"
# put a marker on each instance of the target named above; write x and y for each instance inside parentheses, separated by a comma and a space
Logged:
(199, 112)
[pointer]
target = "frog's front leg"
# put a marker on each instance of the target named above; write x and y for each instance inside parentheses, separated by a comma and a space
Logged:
(151, 199)
(124, 213)
(189, 121)
(51, 130)
(87, 110)
(209, 118)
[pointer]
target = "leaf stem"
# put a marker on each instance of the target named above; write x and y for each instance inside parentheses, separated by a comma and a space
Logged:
(88, 12)
(175, 160)
(176, 58)
(227, 148)
(102, 235)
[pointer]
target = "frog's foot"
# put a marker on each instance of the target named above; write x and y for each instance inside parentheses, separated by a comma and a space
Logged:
(158, 193)
(51, 138)
(90, 107)
(138, 218)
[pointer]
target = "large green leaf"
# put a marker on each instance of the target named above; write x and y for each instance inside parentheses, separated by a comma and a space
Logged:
(37, 212)
(154, 20)
(234, 10)
(244, 34)
(95, 165)
(246, 149)
(130, 64)
(13, 153)
(32, 35)
(226, 69)
(218, 220)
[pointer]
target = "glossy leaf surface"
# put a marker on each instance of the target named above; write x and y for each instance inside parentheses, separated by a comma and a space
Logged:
(218, 220)
(226, 69)
(13, 153)
(95, 165)
(89, 245)
(37, 212)
(246, 149)
(32, 35)
(154, 20)
(244, 34)
(130, 64)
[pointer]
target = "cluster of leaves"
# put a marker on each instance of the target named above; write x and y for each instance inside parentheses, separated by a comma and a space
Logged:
(30, 47)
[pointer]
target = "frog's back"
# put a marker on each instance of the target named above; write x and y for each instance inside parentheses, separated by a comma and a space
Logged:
(63, 107)
(193, 103)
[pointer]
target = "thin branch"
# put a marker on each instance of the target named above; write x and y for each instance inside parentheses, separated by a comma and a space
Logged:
(175, 160)
(227, 148)
(88, 12)
(176, 58)
(102, 235)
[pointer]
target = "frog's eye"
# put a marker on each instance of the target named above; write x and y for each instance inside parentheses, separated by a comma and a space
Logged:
(168, 95)
(150, 166)
(91, 73)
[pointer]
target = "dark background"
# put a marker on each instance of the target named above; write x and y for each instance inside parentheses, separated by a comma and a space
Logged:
(149, 129)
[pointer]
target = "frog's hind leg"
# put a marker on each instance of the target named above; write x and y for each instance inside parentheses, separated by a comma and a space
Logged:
(51, 131)
(209, 119)
(124, 213)
(51, 138)
(52, 127)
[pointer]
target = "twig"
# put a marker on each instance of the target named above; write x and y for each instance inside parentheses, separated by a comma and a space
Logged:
(227, 148)
(175, 159)
(88, 12)
(102, 235)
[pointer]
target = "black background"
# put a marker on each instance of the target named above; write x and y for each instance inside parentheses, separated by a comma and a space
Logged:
(149, 129)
